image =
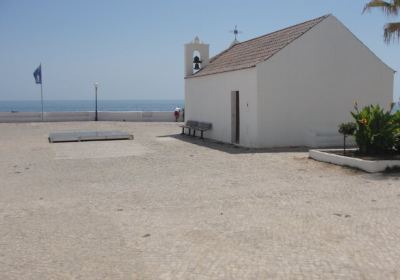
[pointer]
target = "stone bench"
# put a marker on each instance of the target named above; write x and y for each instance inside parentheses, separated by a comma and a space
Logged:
(202, 126)
(189, 125)
(195, 125)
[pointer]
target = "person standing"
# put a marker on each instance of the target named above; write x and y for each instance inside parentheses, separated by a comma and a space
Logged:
(177, 114)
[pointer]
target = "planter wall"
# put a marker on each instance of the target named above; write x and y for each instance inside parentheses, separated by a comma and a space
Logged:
(371, 166)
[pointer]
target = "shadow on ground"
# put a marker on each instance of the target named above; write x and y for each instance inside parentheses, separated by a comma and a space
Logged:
(230, 148)
(233, 149)
(392, 174)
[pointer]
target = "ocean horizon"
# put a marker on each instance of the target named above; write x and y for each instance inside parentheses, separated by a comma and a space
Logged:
(89, 105)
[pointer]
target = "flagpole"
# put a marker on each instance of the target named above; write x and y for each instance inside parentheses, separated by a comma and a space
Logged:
(38, 79)
(41, 95)
(41, 88)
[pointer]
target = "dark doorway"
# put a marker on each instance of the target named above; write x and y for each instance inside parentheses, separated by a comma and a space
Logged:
(235, 114)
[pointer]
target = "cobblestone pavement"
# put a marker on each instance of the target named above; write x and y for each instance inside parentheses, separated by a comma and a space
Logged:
(165, 206)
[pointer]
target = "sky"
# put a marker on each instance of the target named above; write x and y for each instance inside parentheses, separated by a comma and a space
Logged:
(134, 49)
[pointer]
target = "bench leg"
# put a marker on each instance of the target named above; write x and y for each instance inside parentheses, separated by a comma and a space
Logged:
(194, 132)
(201, 137)
(183, 131)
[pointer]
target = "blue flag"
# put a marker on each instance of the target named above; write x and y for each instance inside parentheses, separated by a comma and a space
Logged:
(38, 74)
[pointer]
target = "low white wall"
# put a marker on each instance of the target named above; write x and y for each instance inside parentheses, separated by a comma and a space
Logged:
(8, 117)
(138, 116)
(371, 166)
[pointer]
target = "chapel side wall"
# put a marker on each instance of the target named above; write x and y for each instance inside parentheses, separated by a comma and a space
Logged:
(310, 86)
(208, 99)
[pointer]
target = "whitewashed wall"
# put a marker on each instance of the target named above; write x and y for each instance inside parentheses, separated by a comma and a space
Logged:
(88, 116)
(310, 86)
(208, 99)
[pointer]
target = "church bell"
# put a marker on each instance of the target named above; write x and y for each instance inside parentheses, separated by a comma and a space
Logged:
(196, 61)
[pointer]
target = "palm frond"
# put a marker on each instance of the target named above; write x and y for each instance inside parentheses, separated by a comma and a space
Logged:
(389, 8)
(392, 31)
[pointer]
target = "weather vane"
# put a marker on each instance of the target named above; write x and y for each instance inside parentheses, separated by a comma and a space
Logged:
(236, 32)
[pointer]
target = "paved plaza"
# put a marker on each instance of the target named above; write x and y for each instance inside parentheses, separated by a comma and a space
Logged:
(166, 206)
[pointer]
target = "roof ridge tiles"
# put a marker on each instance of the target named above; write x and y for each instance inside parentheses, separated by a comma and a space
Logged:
(249, 53)
(288, 27)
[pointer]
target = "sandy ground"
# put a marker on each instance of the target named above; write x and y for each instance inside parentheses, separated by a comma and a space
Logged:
(165, 206)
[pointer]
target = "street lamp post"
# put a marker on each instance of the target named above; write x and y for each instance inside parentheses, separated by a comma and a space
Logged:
(96, 85)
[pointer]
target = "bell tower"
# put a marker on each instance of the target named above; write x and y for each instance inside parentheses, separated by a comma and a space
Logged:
(196, 56)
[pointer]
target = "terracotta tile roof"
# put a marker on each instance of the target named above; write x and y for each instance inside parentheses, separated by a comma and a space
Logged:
(249, 53)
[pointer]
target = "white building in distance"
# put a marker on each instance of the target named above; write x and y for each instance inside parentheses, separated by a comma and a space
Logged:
(292, 87)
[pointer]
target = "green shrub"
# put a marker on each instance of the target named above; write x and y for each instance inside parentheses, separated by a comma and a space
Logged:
(347, 129)
(396, 120)
(397, 141)
(375, 129)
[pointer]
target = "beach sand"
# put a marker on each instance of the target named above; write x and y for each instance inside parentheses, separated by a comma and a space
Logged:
(165, 206)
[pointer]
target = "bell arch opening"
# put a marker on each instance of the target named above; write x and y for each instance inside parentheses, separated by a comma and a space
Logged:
(196, 61)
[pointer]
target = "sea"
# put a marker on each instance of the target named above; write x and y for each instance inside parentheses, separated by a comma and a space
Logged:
(89, 105)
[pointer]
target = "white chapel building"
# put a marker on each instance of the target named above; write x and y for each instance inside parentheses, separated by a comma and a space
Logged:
(292, 87)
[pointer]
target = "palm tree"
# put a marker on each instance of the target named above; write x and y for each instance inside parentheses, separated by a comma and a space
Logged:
(390, 8)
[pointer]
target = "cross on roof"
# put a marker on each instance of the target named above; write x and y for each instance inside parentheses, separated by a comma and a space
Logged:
(236, 32)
